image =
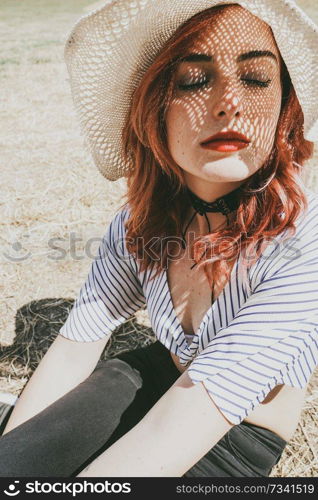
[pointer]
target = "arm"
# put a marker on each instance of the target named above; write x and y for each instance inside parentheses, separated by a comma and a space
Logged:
(162, 443)
(65, 365)
(271, 341)
(109, 296)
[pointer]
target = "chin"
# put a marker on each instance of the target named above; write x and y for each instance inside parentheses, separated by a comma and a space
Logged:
(230, 169)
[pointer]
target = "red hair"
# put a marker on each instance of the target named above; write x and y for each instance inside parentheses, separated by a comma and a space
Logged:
(156, 188)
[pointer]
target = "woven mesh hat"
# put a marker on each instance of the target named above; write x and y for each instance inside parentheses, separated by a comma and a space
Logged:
(109, 50)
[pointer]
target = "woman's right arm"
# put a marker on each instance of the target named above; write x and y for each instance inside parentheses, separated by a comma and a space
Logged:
(111, 294)
(66, 364)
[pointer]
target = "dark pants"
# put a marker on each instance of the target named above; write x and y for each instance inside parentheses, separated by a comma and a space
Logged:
(69, 434)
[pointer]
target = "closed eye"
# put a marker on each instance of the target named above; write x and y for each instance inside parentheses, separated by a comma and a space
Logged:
(193, 86)
(202, 83)
(256, 83)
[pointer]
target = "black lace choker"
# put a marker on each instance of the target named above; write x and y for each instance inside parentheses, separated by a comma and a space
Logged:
(225, 204)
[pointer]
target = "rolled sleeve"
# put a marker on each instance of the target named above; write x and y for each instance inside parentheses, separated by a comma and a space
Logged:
(272, 340)
(112, 292)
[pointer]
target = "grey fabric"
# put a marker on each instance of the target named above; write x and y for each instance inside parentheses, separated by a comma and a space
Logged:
(58, 439)
(65, 437)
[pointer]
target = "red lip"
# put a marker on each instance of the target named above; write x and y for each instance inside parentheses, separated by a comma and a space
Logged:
(226, 142)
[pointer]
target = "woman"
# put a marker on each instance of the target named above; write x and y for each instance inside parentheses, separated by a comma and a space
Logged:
(218, 238)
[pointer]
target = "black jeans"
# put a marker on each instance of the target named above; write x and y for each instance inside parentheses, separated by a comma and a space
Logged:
(66, 436)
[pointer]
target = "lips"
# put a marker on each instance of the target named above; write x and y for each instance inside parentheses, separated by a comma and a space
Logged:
(226, 142)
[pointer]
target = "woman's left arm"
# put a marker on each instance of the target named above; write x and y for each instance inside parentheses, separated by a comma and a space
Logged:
(179, 430)
(272, 340)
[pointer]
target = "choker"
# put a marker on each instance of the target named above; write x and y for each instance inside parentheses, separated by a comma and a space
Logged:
(225, 204)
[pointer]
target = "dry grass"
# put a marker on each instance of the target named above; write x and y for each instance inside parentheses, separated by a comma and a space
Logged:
(52, 190)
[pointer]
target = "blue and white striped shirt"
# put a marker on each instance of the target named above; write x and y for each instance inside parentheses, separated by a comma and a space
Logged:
(249, 340)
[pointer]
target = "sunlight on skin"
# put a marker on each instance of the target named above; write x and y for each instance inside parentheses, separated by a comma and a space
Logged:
(228, 92)
(139, 453)
(223, 90)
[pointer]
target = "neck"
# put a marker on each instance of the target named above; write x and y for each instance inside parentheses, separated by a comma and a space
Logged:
(209, 193)
(199, 224)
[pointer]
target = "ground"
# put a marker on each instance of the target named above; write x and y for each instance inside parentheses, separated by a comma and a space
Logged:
(55, 206)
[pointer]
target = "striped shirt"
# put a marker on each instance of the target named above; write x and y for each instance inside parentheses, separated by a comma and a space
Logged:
(253, 337)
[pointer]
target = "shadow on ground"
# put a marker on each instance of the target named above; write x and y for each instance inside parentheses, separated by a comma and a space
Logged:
(37, 324)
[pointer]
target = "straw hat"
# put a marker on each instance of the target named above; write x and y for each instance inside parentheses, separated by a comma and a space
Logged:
(109, 50)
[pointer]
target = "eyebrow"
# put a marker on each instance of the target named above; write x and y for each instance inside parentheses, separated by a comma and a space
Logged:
(243, 57)
(256, 53)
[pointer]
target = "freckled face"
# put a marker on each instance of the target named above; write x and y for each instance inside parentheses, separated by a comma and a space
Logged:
(228, 81)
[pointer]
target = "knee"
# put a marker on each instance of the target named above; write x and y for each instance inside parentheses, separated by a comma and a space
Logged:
(115, 369)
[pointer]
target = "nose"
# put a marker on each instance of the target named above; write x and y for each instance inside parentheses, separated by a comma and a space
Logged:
(227, 104)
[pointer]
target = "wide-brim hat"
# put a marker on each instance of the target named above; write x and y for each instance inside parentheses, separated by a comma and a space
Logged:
(109, 50)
